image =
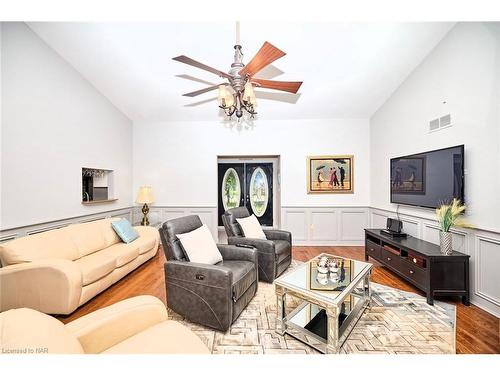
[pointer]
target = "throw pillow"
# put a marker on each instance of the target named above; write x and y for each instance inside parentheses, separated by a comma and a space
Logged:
(124, 230)
(251, 227)
(200, 246)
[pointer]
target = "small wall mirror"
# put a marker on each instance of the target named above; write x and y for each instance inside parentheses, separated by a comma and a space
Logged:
(97, 185)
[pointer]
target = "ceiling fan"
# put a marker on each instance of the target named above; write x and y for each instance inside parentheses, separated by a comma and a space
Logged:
(237, 95)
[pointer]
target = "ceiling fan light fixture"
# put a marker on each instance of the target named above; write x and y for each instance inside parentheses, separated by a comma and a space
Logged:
(249, 93)
(237, 96)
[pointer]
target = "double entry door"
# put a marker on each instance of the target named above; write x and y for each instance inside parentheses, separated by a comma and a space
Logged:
(246, 184)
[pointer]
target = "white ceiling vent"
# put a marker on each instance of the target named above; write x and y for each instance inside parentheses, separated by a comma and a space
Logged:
(440, 123)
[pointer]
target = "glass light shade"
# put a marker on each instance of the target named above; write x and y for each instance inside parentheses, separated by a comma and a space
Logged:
(145, 195)
(249, 94)
(229, 98)
(225, 97)
(222, 94)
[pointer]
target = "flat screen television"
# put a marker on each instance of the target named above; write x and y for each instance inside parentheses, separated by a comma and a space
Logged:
(428, 179)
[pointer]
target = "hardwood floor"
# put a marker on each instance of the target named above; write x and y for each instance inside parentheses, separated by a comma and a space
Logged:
(477, 330)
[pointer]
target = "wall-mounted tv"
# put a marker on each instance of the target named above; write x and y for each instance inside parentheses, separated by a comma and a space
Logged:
(428, 179)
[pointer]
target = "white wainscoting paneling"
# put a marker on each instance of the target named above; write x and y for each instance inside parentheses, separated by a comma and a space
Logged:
(323, 227)
(10, 234)
(378, 220)
(168, 214)
(487, 262)
(352, 224)
(430, 232)
(208, 215)
(326, 225)
(297, 222)
(482, 246)
(411, 226)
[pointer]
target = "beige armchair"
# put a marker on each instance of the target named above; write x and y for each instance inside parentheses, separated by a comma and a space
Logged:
(136, 325)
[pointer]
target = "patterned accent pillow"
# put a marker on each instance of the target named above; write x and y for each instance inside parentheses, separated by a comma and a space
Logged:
(125, 230)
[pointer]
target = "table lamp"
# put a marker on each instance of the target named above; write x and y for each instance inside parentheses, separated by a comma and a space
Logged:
(145, 197)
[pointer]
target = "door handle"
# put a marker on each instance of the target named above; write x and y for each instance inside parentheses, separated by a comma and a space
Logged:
(412, 272)
(389, 259)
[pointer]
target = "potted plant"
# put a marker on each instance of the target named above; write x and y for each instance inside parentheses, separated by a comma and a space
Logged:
(449, 215)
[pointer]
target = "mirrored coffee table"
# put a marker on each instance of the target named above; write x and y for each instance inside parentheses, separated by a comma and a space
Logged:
(331, 302)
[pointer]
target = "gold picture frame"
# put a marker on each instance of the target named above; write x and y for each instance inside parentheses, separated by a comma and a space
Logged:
(330, 174)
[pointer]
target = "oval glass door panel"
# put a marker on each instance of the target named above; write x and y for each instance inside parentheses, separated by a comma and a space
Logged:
(231, 191)
(259, 192)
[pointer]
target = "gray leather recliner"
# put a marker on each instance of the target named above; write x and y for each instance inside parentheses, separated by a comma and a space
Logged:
(211, 295)
(275, 252)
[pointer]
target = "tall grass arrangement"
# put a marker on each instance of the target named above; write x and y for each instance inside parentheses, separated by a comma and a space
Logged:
(450, 215)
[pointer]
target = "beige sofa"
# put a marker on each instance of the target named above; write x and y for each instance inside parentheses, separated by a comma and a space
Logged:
(135, 325)
(59, 270)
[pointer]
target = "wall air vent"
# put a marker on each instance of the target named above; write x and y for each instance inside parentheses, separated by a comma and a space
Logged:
(445, 121)
(440, 123)
(434, 125)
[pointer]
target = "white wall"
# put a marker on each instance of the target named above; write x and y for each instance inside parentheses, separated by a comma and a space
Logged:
(464, 71)
(179, 159)
(53, 124)
(1, 127)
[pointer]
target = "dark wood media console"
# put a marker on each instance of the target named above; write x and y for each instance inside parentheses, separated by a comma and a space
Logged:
(421, 263)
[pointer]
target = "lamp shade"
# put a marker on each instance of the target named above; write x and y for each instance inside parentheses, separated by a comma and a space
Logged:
(145, 195)
(225, 97)
(222, 95)
(249, 94)
(229, 98)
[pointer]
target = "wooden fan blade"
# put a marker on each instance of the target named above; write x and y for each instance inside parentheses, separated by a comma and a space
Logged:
(287, 86)
(202, 91)
(266, 55)
(190, 61)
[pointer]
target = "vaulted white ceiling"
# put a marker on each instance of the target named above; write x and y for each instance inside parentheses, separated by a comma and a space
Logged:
(349, 69)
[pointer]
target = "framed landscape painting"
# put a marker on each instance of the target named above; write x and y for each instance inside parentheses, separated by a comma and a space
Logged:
(330, 174)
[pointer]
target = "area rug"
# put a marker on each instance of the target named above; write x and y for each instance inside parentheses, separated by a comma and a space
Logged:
(398, 322)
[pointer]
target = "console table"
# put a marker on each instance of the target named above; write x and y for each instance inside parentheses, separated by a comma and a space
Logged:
(421, 263)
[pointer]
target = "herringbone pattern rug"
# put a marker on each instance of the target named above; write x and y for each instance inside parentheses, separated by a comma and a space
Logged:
(398, 322)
